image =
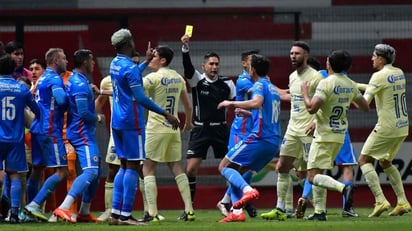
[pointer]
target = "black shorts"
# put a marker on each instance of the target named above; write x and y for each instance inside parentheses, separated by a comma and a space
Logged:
(202, 137)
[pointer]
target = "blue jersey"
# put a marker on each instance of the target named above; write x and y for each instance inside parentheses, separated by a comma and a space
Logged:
(81, 121)
(14, 97)
(266, 118)
(52, 112)
(129, 99)
(241, 126)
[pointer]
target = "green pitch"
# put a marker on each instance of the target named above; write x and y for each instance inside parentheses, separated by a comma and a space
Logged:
(207, 220)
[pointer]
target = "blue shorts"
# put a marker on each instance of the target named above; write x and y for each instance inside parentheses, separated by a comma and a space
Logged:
(253, 153)
(87, 151)
(48, 151)
(14, 156)
(129, 144)
(346, 155)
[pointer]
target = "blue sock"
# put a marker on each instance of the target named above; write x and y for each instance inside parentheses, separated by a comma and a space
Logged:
(32, 187)
(234, 177)
(15, 190)
(307, 189)
(343, 198)
(118, 190)
(235, 195)
(248, 176)
(90, 192)
(82, 182)
(129, 188)
(48, 187)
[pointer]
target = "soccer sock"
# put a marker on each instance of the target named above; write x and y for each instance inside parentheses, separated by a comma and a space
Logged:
(248, 176)
(15, 192)
(108, 194)
(235, 179)
(90, 191)
(371, 177)
(192, 185)
(118, 191)
(143, 192)
(84, 208)
(396, 183)
(289, 197)
(129, 191)
(343, 198)
(82, 185)
(183, 185)
(319, 198)
(282, 188)
(235, 194)
(32, 187)
(150, 189)
(48, 187)
(328, 182)
(307, 189)
(226, 197)
(6, 186)
(67, 202)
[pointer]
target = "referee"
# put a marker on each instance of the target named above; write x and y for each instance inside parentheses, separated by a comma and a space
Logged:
(208, 90)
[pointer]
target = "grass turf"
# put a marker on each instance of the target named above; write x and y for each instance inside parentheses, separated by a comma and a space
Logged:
(207, 220)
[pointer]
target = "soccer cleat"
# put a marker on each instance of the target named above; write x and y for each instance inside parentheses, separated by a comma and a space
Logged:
(113, 219)
(129, 220)
(349, 213)
(187, 216)
(247, 197)
(14, 219)
(105, 215)
(52, 218)
(400, 209)
(251, 210)
(147, 218)
(87, 218)
(224, 208)
(231, 217)
(274, 214)
(301, 208)
(317, 216)
(348, 195)
(380, 207)
(65, 215)
(36, 212)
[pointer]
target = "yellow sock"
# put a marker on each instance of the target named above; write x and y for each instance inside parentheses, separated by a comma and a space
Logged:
(282, 189)
(396, 183)
(319, 198)
(289, 197)
(143, 192)
(151, 194)
(372, 179)
(108, 194)
(328, 182)
(183, 185)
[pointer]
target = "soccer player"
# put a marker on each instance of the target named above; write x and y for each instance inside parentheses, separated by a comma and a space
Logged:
(14, 97)
(345, 159)
(241, 127)
(296, 142)
(260, 146)
(81, 128)
(208, 90)
(128, 124)
(163, 144)
(15, 49)
(47, 141)
(330, 104)
(388, 87)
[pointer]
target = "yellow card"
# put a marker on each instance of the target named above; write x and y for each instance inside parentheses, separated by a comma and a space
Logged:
(189, 30)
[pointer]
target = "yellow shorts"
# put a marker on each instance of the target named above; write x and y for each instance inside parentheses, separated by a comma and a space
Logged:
(297, 147)
(322, 154)
(111, 156)
(382, 148)
(163, 147)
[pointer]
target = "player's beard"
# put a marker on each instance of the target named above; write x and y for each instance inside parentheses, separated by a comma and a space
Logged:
(297, 63)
